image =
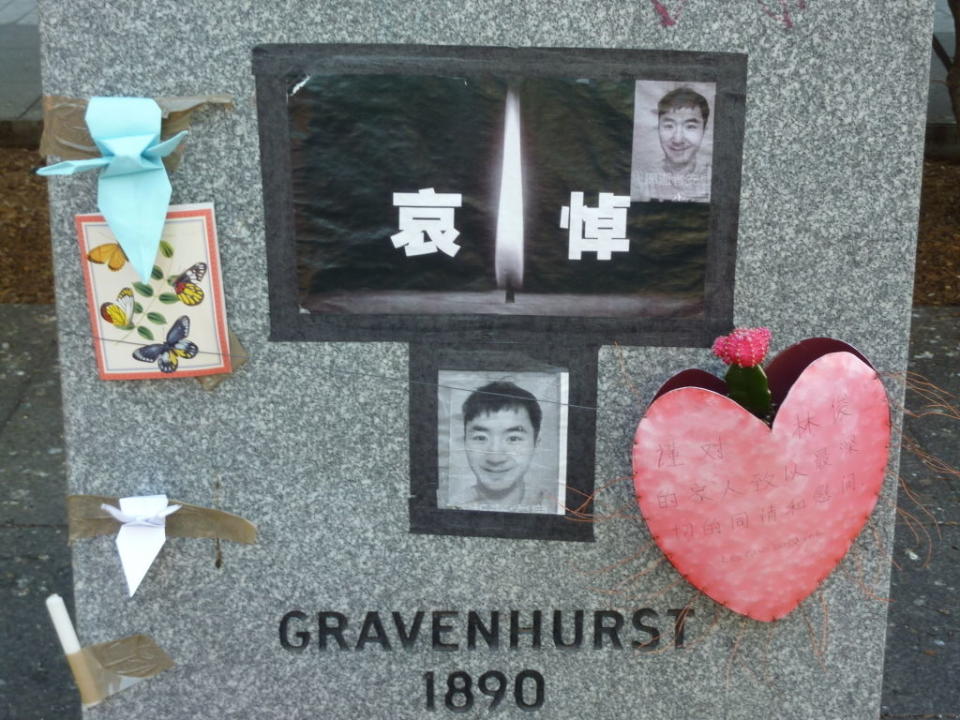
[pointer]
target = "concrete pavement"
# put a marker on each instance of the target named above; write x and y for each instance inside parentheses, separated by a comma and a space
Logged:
(922, 663)
(20, 109)
(34, 558)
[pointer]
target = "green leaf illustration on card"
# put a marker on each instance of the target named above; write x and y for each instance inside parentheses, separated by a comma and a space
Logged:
(171, 279)
(145, 333)
(157, 318)
(156, 273)
(127, 327)
(143, 289)
(166, 249)
(167, 298)
(137, 308)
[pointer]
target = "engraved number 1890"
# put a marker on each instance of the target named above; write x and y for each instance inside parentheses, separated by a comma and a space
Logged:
(528, 690)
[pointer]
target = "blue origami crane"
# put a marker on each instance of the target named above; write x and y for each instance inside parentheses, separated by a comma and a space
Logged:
(133, 192)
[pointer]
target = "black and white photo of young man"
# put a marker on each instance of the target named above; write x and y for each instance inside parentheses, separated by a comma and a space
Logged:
(503, 442)
(673, 142)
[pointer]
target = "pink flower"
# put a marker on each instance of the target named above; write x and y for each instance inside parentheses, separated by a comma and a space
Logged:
(745, 347)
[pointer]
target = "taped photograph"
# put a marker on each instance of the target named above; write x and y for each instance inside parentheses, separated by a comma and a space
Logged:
(502, 441)
(672, 141)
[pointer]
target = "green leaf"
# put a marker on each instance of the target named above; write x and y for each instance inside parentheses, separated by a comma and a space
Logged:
(166, 249)
(156, 273)
(171, 279)
(137, 307)
(143, 289)
(127, 327)
(157, 318)
(168, 298)
(145, 333)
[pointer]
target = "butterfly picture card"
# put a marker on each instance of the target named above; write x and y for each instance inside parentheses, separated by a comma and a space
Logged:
(172, 325)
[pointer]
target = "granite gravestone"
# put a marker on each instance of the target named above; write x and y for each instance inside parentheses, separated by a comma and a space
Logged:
(340, 610)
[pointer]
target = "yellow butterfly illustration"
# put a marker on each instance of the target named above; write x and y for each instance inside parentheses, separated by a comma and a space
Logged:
(186, 286)
(119, 313)
(110, 254)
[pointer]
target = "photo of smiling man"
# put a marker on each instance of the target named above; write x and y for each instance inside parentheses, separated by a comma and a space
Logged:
(672, 142)
(501, 445)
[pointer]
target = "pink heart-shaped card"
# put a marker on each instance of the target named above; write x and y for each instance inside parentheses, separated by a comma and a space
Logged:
(753, 516)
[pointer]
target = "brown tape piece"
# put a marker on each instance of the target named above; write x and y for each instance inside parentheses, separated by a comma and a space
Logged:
(86, 519)
(136, 656)
(107, 668)
(238, 358)
(86, 676)
(65, 132)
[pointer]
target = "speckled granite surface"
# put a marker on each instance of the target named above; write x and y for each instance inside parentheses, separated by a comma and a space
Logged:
(318, 457)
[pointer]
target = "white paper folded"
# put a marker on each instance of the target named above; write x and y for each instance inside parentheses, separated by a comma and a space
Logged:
(142, 535)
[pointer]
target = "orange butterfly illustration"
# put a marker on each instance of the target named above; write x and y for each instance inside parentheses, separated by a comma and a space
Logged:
(110, 254)
(119, 313)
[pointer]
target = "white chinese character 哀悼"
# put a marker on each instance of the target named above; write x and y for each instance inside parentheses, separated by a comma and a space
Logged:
(426, 222)
(602, 229)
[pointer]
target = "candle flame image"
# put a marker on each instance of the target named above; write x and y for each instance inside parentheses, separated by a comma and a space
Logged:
(509, 238)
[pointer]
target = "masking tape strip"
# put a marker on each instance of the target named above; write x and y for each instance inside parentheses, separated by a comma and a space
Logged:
(85, 675)
(108, 668)
(238, 358)
(86, 519)
(65, 132)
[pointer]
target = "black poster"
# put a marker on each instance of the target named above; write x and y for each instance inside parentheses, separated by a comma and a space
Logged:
(477, 194)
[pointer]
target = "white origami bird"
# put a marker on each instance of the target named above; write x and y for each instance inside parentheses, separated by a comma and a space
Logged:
(143, 533)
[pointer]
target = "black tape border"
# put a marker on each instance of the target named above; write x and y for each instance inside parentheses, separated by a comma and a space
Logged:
(425, 517)
(279, 67)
